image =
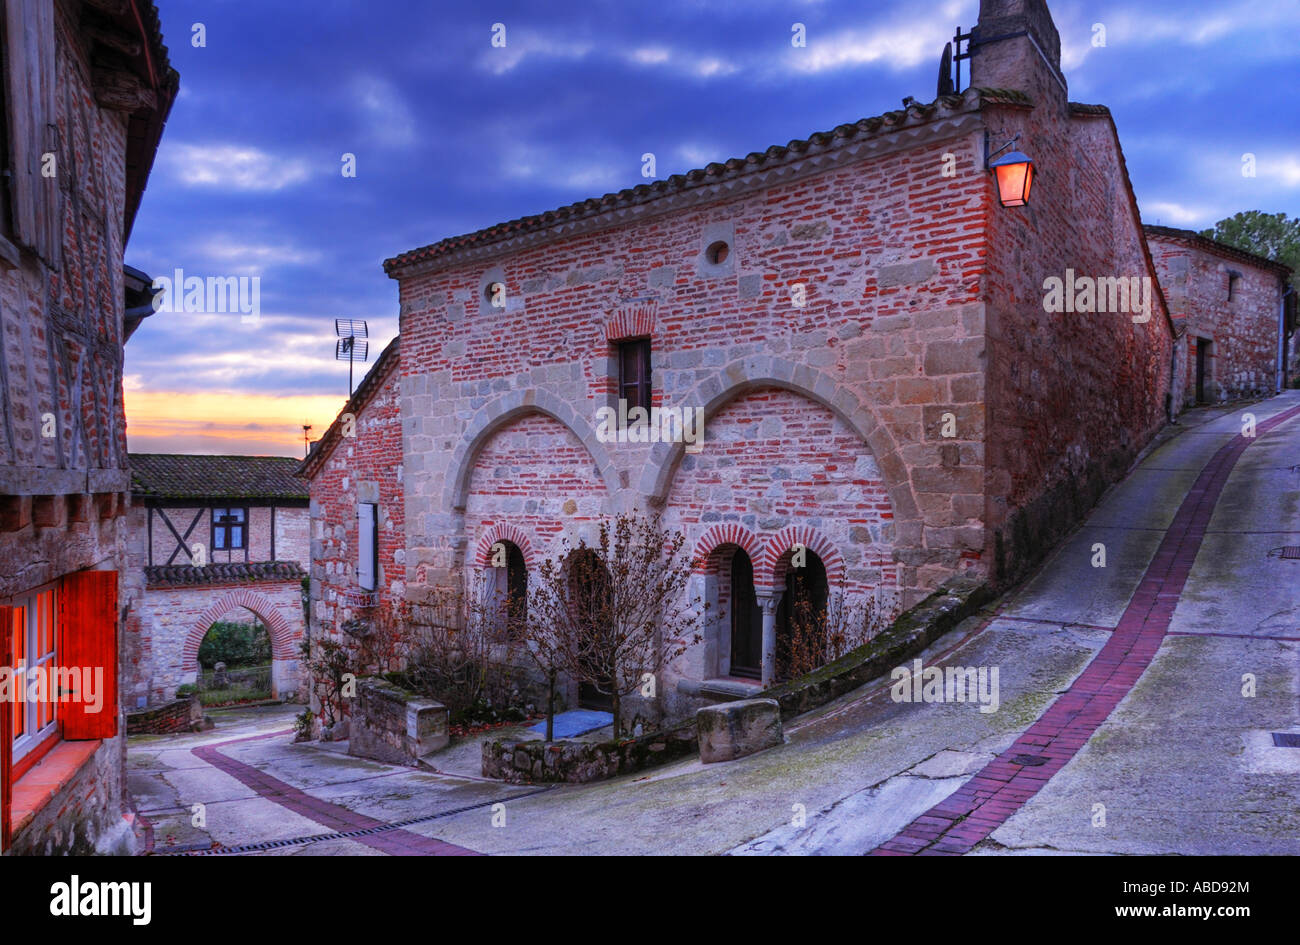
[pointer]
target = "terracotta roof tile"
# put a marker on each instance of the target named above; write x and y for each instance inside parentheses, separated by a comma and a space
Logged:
(188, 575)
(175, 476)
(915, 113)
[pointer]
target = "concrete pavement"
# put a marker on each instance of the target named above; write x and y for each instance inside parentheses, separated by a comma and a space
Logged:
(1183, 764)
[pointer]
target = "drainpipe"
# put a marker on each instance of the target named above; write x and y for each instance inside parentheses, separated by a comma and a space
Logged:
(1281, 338)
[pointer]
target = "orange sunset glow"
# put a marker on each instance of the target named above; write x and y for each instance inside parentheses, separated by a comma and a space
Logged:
(225, 421)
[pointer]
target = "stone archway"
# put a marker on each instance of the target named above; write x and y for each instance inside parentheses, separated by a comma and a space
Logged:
(285, 631)
(747, 374)
(492, 417)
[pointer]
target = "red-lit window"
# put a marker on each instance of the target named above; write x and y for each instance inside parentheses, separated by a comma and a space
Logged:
(34, 626)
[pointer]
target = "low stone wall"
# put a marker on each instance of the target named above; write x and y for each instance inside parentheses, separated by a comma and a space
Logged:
(578, 762)
(84, 815)
(392, 725)
(954, 601)
(179, 715)
(913, 631)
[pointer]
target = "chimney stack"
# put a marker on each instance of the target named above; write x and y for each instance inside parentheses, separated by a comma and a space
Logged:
(1016, 46)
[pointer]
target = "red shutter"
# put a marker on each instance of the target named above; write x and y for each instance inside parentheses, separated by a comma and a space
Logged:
(88, 642)
(6, 731)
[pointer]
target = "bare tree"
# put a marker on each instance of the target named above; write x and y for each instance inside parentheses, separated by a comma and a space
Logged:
(614, 612)
(819, 634)
(459, 651)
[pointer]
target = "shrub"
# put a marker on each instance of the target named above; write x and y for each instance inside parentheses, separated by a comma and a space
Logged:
(235, 644)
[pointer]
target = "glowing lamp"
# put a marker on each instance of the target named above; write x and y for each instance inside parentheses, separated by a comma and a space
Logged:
(1014, 173)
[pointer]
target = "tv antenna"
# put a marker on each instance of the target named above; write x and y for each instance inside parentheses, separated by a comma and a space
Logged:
(351, 346)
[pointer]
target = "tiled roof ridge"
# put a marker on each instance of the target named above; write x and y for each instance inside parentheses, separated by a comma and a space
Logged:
(216, 475)
(1212, 245)
(252, 572)
(912, 114)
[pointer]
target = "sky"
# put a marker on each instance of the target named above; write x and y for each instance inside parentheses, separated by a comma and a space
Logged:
(450, 133)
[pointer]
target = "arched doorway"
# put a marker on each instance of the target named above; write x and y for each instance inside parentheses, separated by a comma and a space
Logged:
(591, 600)
(235, 660)
(746, 619)
(801, 618)
(508, 590)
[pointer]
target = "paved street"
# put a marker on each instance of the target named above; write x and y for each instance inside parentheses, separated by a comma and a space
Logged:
(1126, 681)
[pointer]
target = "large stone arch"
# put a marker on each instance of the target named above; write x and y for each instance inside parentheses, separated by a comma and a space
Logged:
(497, 414)
(285, 633)
(759, 371)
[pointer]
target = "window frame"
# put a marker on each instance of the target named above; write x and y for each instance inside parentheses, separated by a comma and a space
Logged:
(36, 738)
(224, 527)
(639, 349)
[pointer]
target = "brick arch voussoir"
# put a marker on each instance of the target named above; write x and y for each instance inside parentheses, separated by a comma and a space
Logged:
(283, 638)
(769, 571)
(504, 531)
(726, 534)
(492, 417)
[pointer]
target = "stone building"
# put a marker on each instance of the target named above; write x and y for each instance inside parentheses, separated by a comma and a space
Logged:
(865, 327)
(212, 538)
(888, 387)
(1230, 309)
(84, 96)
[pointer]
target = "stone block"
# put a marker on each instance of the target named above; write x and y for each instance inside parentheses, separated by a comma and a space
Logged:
(735, 729)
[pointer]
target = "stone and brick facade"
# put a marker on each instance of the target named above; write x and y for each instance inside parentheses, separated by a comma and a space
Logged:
(1228, 307)
(358, 461)
(85, 92)
(861, 322)
(212, 538)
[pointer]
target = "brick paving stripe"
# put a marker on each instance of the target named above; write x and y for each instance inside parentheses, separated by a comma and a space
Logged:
(985, 802)
(393, 842)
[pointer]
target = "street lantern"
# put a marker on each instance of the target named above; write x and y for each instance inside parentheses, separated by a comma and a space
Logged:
(1013, 172)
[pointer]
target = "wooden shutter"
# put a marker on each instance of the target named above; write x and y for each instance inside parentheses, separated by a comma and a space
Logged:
(88, 638)
(366, 558)
(6, 732)
(33, 131)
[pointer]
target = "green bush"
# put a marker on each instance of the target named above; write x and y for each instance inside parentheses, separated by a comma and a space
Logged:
(235, 644)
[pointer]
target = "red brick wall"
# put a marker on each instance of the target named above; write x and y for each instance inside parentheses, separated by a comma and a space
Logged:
(366, 466)
(889, 253)
(1072, 397)
(509, 486)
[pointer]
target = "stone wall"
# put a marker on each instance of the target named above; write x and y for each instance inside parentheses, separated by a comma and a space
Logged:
(179, 715)
(64, 483)
(170, 623)
(85, 815)
(1241, 330)
(1071, 397)
(579, 762)
(392, 725)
